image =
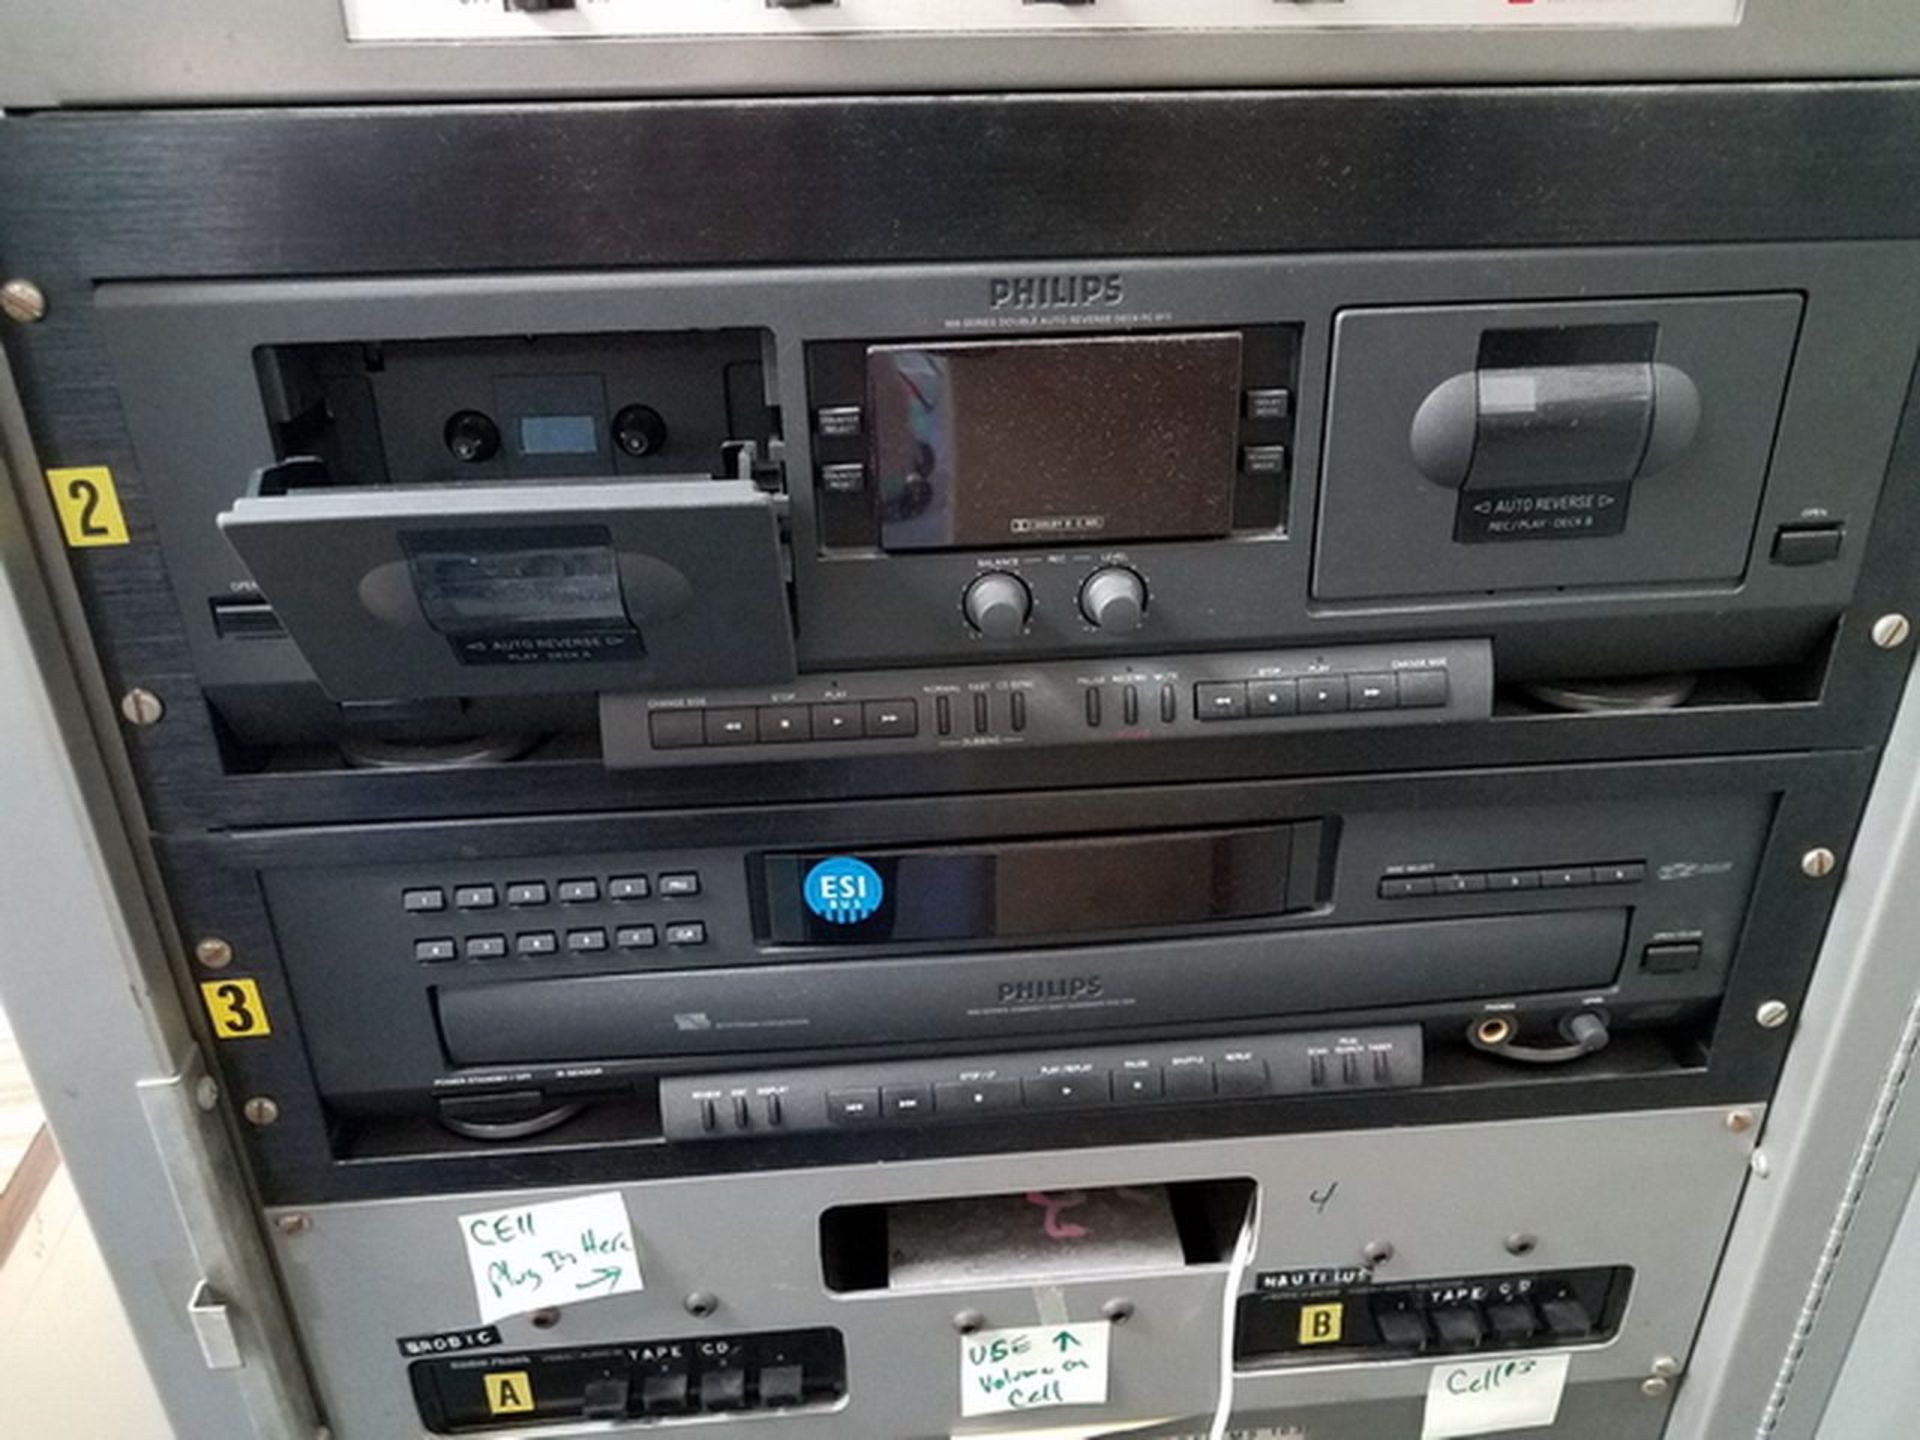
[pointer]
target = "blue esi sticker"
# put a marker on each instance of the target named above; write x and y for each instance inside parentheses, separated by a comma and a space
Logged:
(843, 890)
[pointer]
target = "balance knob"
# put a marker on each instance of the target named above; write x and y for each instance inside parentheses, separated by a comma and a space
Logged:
(1115, 599)
(997, 604)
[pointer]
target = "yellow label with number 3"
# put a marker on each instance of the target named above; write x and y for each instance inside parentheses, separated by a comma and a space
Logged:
(235, 1006)
(88, 505)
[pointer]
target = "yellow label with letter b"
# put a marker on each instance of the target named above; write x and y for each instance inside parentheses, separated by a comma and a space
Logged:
(509, 1392)
(1321, 1324)
(236, 1009)
(88, 505)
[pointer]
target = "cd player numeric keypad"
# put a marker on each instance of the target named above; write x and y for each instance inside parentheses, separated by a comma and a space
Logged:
(588, 935)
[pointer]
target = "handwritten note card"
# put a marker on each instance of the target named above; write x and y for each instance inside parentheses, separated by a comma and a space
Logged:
(1030, 1367)
(1484, 1397)
(559, 1253)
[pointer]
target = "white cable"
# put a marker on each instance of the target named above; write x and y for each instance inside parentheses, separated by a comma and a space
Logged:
(1229, 1305)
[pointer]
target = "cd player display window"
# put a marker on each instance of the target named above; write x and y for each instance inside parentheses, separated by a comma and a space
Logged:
(1054, 442)
(1086, 885)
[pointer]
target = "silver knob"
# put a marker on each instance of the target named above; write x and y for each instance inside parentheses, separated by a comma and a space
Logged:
(997, 604)
(1115, 599)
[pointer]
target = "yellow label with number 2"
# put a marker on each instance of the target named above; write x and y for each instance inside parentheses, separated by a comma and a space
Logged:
(235, 1006)
(88, 505)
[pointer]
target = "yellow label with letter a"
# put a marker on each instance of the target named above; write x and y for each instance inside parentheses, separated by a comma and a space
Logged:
(509, 1392)
(236, 1009)
(1321, 1324)
(88, 505)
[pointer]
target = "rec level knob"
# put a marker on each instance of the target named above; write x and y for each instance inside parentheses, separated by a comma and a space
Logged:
(997, 604)
(1115, 599)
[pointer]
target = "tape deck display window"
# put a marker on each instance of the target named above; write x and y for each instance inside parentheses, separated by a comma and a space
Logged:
(1034, 443)
(1051, 441)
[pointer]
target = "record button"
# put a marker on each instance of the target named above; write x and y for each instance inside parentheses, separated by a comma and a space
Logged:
(1130, 1086)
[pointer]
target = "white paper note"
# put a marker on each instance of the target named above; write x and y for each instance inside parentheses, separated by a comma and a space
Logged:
(1031, 1367)
(1484, 1397)
(1099, 1430)
(558, 1253)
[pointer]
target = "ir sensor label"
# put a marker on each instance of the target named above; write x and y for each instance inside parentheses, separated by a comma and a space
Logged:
(843, 890)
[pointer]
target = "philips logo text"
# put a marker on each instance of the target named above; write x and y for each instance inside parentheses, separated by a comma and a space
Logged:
(1055, 292)
(1076, 987)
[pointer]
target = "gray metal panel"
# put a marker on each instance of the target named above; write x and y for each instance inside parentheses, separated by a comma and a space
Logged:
(1841, 1151)
(131, 51)
(1877, 1393)
(85, 985)
(1654, 1191)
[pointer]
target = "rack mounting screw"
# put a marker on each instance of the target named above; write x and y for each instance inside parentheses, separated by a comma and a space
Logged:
(1521, 1243)
(1772, 1014)
(702, 1303)
(1890, 632)
(1118, 1310)
(293, 1224)
(214, 953)
(24, 301)
(206, 1092)
(1665, 1366)
(968, 1321)
(1655, 1385)
(142, 707)
(1739, 1121)
(1818, 862)
(261, 1111)
(1376, 1252)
